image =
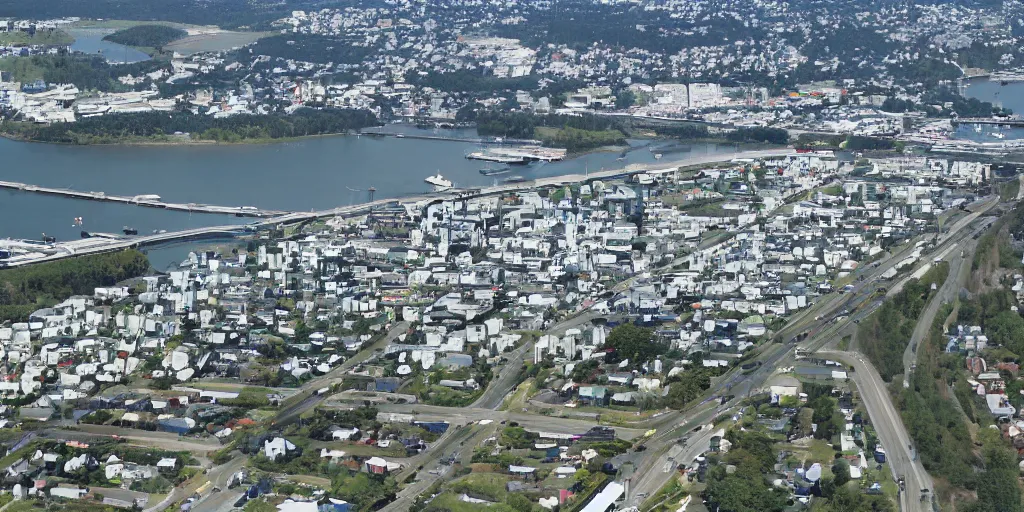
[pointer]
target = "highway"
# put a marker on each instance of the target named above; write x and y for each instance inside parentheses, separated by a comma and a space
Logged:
(891, 432)
(959, 272)
(826, 325)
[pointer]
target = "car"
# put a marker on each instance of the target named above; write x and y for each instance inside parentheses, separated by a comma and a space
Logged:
(641, 448)
(216, 489)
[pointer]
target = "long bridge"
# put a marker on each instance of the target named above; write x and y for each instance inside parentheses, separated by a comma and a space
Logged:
(112, 243)
(147, 200)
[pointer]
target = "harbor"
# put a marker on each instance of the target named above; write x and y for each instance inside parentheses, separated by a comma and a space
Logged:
(147, 200)
(17, 253)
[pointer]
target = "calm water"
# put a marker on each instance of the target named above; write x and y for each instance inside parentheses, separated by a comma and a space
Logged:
(1009, 96)
(316, 173)
(90, 40)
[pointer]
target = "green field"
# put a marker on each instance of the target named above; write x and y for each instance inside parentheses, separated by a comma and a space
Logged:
(21, 69)
(42, 37)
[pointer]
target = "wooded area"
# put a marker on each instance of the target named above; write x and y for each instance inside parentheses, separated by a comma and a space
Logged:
(159, 125)
(884, 336)
(25, 289)
(153, 36)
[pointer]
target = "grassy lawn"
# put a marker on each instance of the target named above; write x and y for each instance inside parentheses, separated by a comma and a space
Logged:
(844, 344)
(362, 450)
(450, 502)
(484, 485)
(64, 505)
(311, 480)
(667, 498)
(21, 69)
(42, 37)
(817, 451)
(517, 400)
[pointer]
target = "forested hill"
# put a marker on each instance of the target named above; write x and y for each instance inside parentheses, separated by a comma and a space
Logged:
(143, 126)
(146, 35)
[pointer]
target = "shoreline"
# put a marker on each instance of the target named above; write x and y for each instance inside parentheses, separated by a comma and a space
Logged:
(165, 143)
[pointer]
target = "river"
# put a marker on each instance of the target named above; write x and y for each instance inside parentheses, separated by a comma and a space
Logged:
(313, 173)
(90, 41)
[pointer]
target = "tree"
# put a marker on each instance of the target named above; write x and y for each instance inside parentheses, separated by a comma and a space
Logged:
(998, 487)
(743, 491)
(690, 385)
(841, 472)
(633, 343)
(519, 502)
(624, 99)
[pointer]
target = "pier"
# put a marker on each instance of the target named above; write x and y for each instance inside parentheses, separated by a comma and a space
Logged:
(518, 154)
(40, 252)
(1012, 123)
(147, 200)
(471, 140)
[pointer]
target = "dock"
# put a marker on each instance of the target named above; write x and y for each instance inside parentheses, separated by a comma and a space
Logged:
(1009, 122)
(518, 154)
(147, 200)
(471, 140)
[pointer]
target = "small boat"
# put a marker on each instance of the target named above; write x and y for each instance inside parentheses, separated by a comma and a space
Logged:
(49, 239)
(129, 231)
(514, 179)
(657, 156)
(494, 172)
(85, 234)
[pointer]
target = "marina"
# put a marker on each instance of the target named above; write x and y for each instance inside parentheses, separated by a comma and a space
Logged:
(518, 154)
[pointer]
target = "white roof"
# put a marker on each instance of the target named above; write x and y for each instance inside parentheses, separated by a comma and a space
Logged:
(297, 506)
(605, 498)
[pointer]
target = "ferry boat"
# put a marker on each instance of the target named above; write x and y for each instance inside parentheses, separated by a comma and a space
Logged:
(439, 182)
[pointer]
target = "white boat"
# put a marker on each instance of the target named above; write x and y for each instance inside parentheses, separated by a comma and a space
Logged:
(439, 182)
